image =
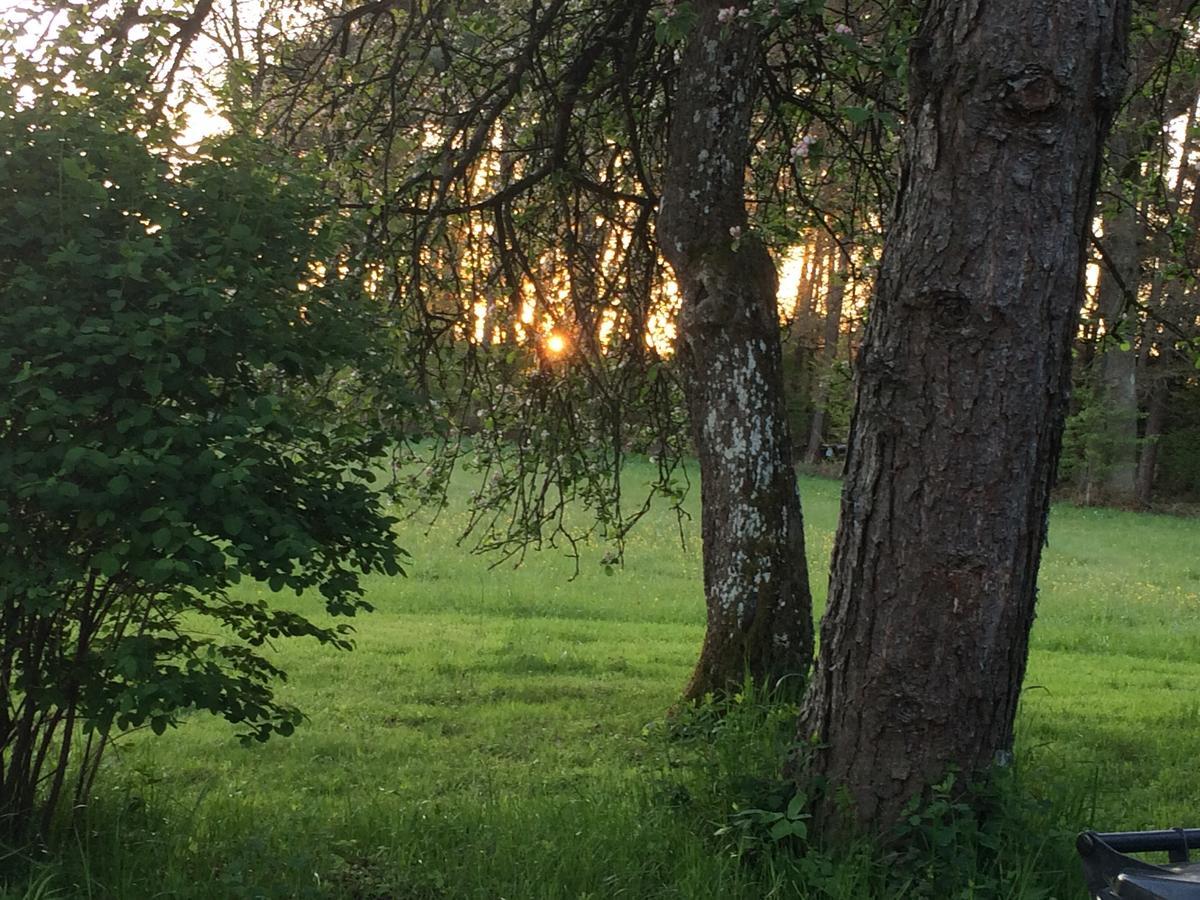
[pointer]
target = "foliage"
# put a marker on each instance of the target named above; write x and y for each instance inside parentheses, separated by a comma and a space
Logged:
(506, 202)
(167, 343)
(1092, 441)
(839, 408)
(987, 841)
(1179, 456)
(1092, 444)
(723, 766)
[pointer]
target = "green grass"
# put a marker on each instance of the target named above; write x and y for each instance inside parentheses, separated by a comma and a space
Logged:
(488, 736)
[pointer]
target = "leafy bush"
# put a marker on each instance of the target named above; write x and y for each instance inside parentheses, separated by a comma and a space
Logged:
(167, 337)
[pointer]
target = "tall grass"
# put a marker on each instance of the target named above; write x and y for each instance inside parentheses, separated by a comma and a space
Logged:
(502, 733)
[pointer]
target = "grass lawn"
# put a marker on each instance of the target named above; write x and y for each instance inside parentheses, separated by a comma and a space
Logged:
(488, 737)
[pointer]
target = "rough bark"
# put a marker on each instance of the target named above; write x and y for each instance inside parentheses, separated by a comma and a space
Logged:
(829, 348)
(755, 576)
(963, 383)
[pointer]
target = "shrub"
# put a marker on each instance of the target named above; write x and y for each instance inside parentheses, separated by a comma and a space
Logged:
(166, 337)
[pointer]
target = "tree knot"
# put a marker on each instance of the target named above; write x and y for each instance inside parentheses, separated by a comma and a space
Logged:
(1033, 92)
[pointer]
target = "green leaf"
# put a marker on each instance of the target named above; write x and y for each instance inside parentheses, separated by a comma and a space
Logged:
(781, 829)
(73, 170)
(673, 28)
(795, 808)
(107, 563)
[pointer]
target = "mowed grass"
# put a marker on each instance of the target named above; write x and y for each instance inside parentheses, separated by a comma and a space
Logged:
(488, 737)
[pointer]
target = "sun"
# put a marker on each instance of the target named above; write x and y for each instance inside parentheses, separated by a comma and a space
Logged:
(556, 344)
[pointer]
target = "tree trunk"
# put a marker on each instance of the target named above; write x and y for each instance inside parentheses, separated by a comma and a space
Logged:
(755, 576)
(833, 321)
(1125, 230)
(963, 384)
(1148, 461)
(1114, 477)
(804, 336)
(814, 258)
(1166, 299)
